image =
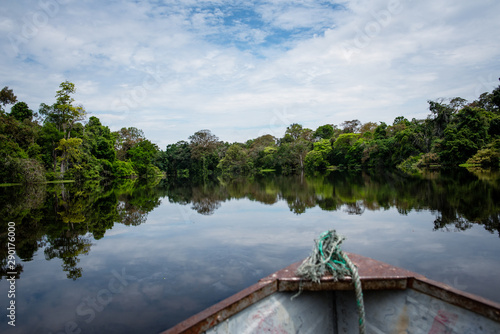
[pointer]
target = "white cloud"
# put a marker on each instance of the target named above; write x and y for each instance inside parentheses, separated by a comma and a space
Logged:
(174, 67)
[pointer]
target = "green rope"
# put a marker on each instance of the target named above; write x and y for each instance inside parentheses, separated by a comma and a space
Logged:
(328, 257)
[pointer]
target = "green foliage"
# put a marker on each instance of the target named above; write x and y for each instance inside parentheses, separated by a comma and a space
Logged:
(63, 113)
(141, 155)
(464, 136)
(428, 160)
(70, 153)
(123, 169)
(455, 131)
(380, 131)
(21, 170)
(176, 157)
(21, 111)
(125, 139)
(342, 154)
(48, 141)
(409, 165)
(236, 162)
(488, 157)
(203, 143)
(99, 141)
(6, 97)
(317, 159)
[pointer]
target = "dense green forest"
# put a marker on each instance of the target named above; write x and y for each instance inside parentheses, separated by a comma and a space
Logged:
(60, 142)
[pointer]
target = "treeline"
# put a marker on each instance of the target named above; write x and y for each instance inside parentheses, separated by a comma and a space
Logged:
(455, 132)
(55, 144)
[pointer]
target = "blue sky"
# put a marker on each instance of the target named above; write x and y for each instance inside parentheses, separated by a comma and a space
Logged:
(247, 68)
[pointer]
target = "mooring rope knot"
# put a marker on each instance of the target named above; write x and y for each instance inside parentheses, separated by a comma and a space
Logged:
(328, 257)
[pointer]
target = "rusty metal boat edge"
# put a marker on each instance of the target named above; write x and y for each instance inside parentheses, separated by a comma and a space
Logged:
(375, 275)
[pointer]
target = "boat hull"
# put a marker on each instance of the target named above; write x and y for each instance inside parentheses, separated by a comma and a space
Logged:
(396, 301)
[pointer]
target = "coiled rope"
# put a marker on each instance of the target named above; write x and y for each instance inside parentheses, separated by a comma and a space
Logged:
(328, 257)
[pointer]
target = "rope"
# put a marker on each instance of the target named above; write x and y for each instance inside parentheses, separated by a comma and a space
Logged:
(328, 257)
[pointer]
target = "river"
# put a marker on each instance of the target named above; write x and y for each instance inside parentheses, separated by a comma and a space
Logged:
(130, 257)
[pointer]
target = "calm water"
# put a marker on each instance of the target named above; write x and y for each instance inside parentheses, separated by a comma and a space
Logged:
(129, 258)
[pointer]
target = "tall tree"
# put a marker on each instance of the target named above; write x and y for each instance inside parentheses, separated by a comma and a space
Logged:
(6, 97)
(442, 115)
(204, 149)
(202, 143)
(70, 152)
(125, 139)
(351, 126)
(63, 113)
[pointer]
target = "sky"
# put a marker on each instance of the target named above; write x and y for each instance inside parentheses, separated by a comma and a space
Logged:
(243, 69)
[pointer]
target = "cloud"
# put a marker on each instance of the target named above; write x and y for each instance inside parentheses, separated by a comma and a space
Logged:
(174, 67)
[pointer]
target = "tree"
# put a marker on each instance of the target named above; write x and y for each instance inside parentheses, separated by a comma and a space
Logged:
(125, 139)
(203, 143)
(495, 100)
(299, 149)
(99, 140)
(21, 111)
(464, 136)
(368, 127)
(441, 115)
(63, 113)
(176, 159)
(341, 147)
(380, 131)
(236, 161)
(294, 146)
(7, 97)
(142, 155)
(488, 157)
(257, 151)
(48, 141)
(294, 131)
(261, 142)
(351, 126)
(204, 151)
(69, 152)
(317, 159)
(400, 120)
(324, 132)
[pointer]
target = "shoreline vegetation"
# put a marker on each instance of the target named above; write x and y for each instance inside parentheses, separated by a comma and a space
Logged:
(59, 144)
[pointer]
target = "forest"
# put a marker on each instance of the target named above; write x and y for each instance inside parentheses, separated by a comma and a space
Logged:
(60, 142)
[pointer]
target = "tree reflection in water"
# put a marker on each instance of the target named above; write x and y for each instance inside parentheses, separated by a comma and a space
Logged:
(64, 219)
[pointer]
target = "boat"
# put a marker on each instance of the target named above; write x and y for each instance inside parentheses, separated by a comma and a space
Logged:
(395, 301)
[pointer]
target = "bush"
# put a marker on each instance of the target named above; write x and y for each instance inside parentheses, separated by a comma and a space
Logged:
(488, 157)
(123, 169)
(409, 165)
(429, 159)
(314, 161)
(21, 170)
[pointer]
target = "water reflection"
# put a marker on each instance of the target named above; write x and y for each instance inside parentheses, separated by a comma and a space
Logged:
(190, 245)
(60, 218)
(460, 198)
